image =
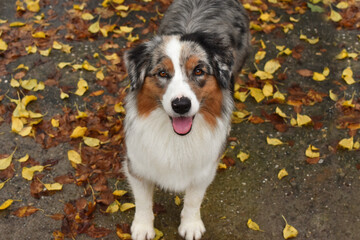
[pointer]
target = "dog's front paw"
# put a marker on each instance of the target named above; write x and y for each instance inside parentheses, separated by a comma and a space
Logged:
(191, 230)
(142, 231)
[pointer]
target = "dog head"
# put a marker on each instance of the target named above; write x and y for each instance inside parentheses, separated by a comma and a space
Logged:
(184, 76)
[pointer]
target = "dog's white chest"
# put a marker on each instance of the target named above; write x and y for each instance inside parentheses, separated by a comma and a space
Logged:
(173, 162)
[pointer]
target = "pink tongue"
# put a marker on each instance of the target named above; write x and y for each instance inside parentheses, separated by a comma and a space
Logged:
(182, 125)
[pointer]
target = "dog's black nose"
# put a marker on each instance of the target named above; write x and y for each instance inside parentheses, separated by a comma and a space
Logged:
(181, 105)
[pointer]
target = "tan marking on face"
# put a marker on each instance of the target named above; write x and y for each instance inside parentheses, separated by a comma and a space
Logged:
(191, 63)
(149, 96)
(167, 65)
(210, 97)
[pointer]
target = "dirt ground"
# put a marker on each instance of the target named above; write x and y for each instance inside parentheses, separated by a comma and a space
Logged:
(320, 200)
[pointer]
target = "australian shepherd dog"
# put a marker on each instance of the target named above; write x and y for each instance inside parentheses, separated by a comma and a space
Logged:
(180, 104)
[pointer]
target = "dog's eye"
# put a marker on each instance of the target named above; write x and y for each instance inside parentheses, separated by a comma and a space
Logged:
(198, 72)
(163, 74)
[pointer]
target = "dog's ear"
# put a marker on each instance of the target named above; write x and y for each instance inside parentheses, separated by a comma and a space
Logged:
(138, 62)
(222, 63)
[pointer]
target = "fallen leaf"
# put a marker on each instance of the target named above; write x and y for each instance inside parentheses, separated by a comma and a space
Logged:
(95, 27)
(257, 94)
(318, 77)
(39, 35)
(3, 45)
(303, 120)
(5, 162)
(158, 234)
(272, 66)
(78, 132)
(347, 143)
(177, 200)
(25, 211)
(273, 141)
(3, 183)
(335, 16)
(289, 231)
(268, 90)
(312, 152)
(253, 225)
(24, 158)
(82, 87)
(282, 173)
(333, 96)
(119, 193)
(126, 206)
(74, 157)
(347, 75)
(91, 142)
(87, 16)
(53, 186)
(243, 156)
(113, 207)
(55, 123)
(279, 112)
(6, 204)
(28, 173)
(100, 75)
(33, 6)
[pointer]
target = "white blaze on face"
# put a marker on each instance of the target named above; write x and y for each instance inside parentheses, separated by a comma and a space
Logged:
(178, 88)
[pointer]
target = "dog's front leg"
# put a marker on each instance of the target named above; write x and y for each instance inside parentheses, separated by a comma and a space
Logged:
(191, 226)
(142, 227)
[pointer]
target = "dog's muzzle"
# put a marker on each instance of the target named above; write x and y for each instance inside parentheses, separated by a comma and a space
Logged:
(181, 125)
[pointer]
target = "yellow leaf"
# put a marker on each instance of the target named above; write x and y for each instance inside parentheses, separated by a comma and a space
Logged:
(257, 94)
(74, 157)
(294, 19)
(33, 6)
(268, 90)
(342, 5)
(243, 156)
(17, 24)
(260, 55)
(78, 132)
(39, 35)
(342, 55)
(63, 95)
(347, 75)
(24, 158)
(91, 142)
(87, 66)
(3, 183)
(63, 64)
(79, 7)
(263, 75)
(25, 131)
(253, 225)
(280, 113)
(347, 143)
(289, 231)
(126, 206)
(130, 38)
(309, 40)
(53, 186)
(318, 77)
(57, 45)
(31, 49)
(14, 83)
(55, 123)
(158, 233)
(29, 84)
(333, 96)
(273, 141)
(95, 27)
(122, 8)
(45, 52)
(312, 152)
(100, 75)
(177, 200)
(22, 66)
(282, 173)
(87, 16)
(82, 87)
(241, 96)
(28, 173)
(118, 107)
(125, 29)
(6, 204)
(278, 95)
(293, 122)
(335, 16)
(272, 66)
(119, 193)
(3, 21)
(118, 1)
(263, 45)
(112, 208)
(303, 119)
(27, 99)
(5, 162)
(222, 166)
(16, 124)
(3, 45)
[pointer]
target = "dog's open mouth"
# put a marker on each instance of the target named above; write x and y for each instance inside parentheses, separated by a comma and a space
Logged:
(182, 125)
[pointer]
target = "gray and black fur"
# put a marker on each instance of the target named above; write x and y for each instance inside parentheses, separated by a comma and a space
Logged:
(220, 27)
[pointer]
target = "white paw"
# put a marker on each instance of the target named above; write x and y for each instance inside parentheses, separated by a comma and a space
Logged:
(142, 231)
(191, 230)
